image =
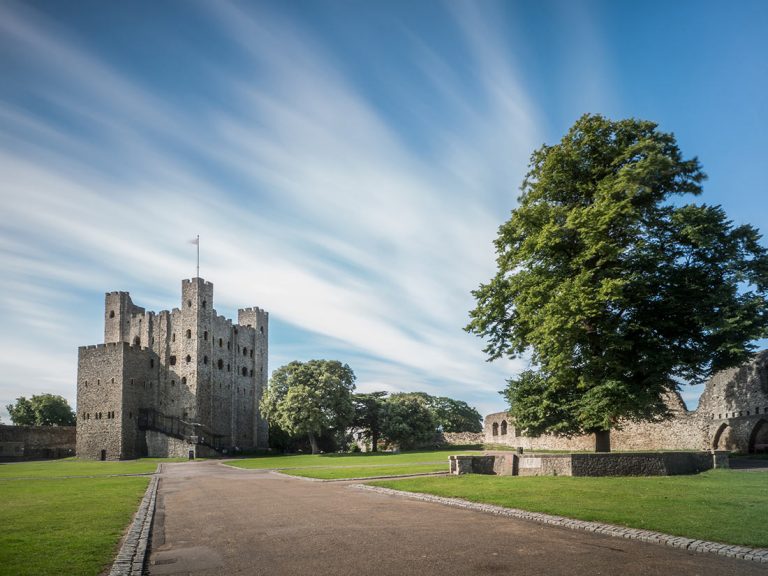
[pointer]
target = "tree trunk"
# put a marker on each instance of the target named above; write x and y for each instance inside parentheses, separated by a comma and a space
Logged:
(602, 440)
(313, 443)
(374, 439)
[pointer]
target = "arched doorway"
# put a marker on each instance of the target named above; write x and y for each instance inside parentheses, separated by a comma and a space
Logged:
(495, 428)
(758, 440)
(723, 439)
(503, 427)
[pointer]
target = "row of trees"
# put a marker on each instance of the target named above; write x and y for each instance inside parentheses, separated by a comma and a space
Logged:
(316, 400)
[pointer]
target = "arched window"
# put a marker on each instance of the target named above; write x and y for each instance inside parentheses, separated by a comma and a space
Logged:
(151, 362)
(184, 380)
(205, 359)
(188, 358)
(189, 303)
(111, 313)
(495, 428)
(189, 333)
(251, 352)
(205, 335)
(137, 341)
(204, 303)
(173, 382)
(172, 360)
(221, 343)
(245, 371)
(229, 368)
(261, 329)
(173, 337)
(503, 427)
(245, 351)
(220, 364)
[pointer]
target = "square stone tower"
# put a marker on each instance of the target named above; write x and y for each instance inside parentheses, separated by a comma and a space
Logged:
(173, 382)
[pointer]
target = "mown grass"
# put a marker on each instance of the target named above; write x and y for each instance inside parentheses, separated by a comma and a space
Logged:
(439, 456)
(344, 472)
(64, 526)
(76, 467)
(53, 524)
(719, 505)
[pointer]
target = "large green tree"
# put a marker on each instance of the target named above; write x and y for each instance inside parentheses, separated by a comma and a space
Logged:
(407, 421)
(614, 287)
(368, 409)
(41, 410)
(310, 398)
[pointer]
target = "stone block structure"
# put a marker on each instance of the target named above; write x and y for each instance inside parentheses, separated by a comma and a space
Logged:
(36, 442)
(174, 382)
(732, 415)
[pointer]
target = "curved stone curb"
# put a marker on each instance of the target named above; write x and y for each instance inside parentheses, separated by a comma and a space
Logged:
(281, 473)
(741, 552)
(130, 559)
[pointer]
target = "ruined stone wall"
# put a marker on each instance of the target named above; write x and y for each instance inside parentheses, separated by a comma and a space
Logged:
(732, 415)
(460, 438)
(33, 442)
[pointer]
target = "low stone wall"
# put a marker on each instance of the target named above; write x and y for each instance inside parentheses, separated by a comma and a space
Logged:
(460, 438)
(34, 442)
(598, 464)
(161, 445)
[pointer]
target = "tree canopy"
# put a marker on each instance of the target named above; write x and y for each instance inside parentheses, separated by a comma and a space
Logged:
(407, 421)
(41, 410)
(614, 288)
(310, 398)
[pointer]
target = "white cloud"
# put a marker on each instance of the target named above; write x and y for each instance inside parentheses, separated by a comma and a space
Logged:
(337, 226)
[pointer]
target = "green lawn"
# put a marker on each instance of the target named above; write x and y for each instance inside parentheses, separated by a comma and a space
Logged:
(719, 505)
(53, 525)
(75, 467)
(356, 460)
(342, 472)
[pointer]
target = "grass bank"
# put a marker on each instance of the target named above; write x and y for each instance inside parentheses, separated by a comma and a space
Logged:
(402, 460)
(718, 505)
(57, 520)
(344, 472)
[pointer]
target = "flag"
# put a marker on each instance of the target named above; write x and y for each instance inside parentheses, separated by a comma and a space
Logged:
(195, 241)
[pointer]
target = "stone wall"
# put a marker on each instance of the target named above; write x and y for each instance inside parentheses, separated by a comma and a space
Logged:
(603, 464)
(33, 442)
(732, 415)
(460, 438)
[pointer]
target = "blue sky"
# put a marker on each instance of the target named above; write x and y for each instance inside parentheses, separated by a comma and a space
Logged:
(346, 164)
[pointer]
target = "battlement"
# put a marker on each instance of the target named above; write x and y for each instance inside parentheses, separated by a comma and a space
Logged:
(195, 280)
(117, 293)
(107, 345)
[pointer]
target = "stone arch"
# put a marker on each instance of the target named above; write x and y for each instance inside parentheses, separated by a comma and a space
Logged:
(758, 439)
(503, 427)
(722, 438)
(137, 341)
(495, 428)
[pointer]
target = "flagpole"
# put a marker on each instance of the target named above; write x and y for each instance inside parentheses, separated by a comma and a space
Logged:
(198, 255)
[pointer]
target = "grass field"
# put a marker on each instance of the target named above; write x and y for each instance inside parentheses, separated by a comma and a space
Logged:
(403, 461)
(343, 472)
(52, 524)
(719, 505)
(75, 467)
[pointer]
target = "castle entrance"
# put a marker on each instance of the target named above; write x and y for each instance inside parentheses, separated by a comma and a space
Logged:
(103, 455)
(758, 440)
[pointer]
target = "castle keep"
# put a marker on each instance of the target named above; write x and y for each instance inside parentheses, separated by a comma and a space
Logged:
(172, 383)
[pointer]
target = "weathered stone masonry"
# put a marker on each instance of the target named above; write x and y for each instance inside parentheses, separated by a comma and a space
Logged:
(732, 415)
(169, 382)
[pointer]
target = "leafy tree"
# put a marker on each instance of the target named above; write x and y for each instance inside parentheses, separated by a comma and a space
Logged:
(407, 421)
(368, 409)
(310, 398)
(41, 410)
(455, 415)
(616, 290)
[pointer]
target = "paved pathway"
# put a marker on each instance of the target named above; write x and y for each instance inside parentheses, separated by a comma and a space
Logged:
(213, 519)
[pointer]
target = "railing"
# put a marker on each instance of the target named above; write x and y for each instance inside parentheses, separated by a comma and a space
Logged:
(151, 419)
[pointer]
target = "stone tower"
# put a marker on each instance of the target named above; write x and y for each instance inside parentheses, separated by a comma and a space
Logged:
(167, 383)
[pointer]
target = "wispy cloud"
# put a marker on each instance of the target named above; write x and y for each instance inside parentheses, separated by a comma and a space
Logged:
(311, 202)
